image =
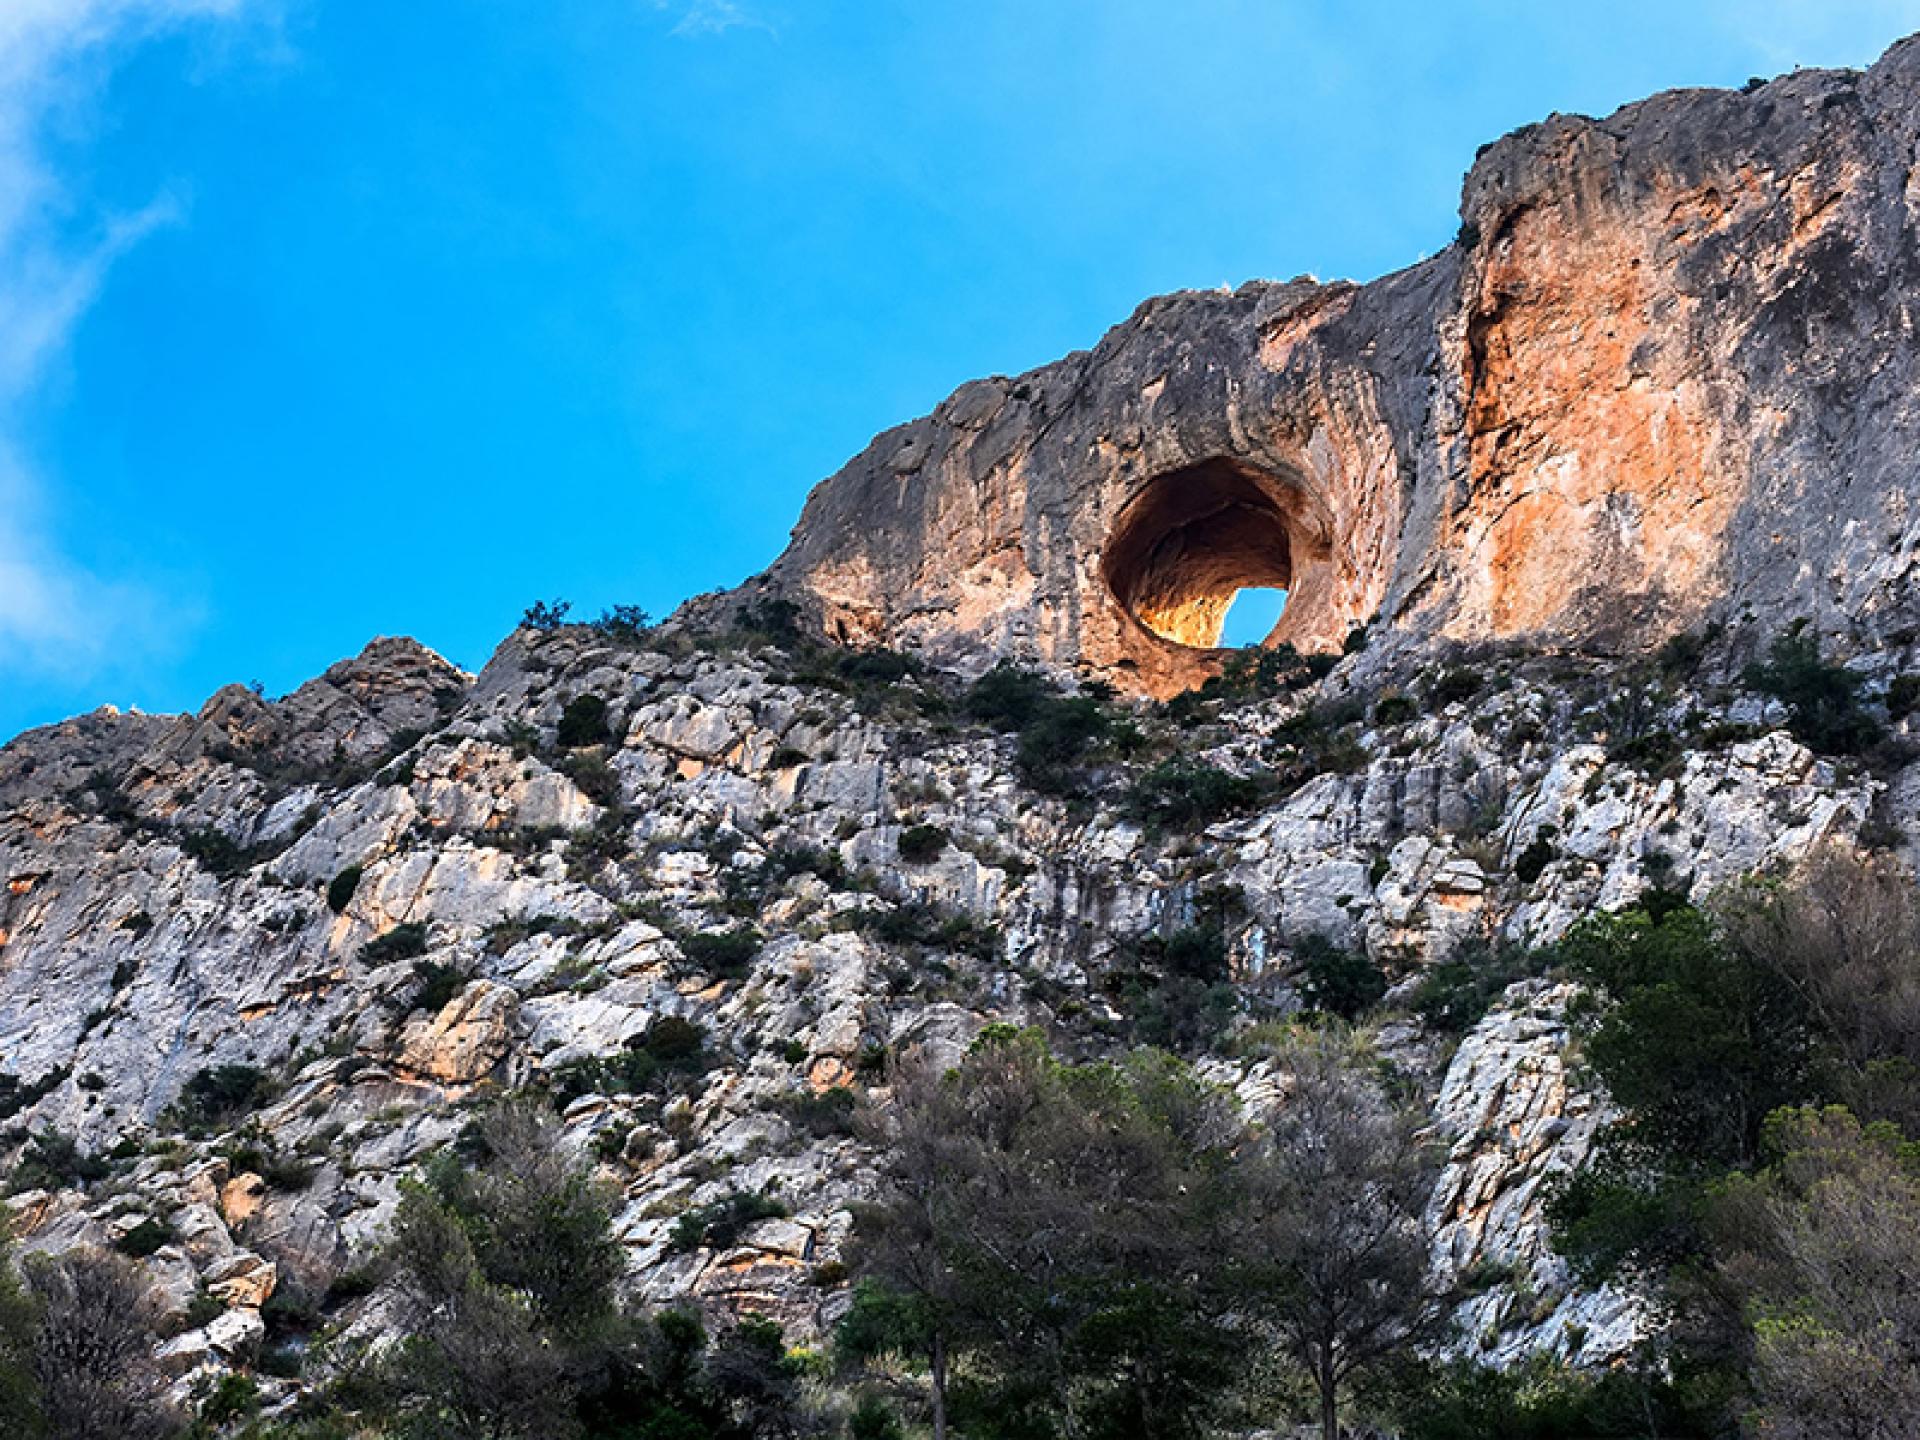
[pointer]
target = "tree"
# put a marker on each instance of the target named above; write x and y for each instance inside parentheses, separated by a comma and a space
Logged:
(1844, 934)
(1331, 1249)
(1821, 1249)
(93, 1354)
(19, 1330)
(1055, 1230)
(506, 1273)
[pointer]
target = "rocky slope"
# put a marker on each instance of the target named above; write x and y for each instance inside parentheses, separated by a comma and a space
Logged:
(696, 883)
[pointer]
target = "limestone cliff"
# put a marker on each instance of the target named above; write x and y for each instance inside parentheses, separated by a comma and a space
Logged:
(260, 961)
(1665, 373)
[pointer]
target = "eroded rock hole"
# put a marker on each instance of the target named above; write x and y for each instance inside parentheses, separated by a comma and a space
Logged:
(1191, 542)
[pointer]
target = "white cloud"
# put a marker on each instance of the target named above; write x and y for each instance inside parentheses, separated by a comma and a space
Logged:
(715, 17)
(57, 618)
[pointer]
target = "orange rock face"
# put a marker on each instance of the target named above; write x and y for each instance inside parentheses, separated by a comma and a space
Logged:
(1665, 374)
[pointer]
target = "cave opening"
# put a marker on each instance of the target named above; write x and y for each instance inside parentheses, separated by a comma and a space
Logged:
(1199, 544)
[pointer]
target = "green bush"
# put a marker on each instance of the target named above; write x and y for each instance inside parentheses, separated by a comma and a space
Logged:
(545, 615)
(720, 1223)
(221, 1093)
(725, 954)
(438, 984)
(583, 722)
(1453, 994)
(55, 1161)
(144, 1239)
(1059, 735)
(922, 843)
(1822, 700)
(403, 942)
(1454, 684)
(1531, 863)
(1390, 710)
(342, 887)
(1336, 981)
(1190, 794)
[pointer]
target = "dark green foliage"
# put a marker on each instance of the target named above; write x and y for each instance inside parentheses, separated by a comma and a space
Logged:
(1696, 1039)
(1335, 980)
(340, 889)
(53, 1161)
(233, 1398)
(719, 1224)
(873, 1420)
(1531, 863)
(1547, 1400)
(145, 1238)
(1903, 696)
(921, 926)
(1189, 794)
(1390, 710)
(1174, 990)
(597, 779)
(1822, 700)
(1255, 673)
(403, 942)
(219, 852)
(821, 1113)
(545, 615)
(15, 1097)
(582, 722)
(1454, 993)
(922, 843)
(1320, 741)
(1454, 684)
(1059, 735)
(589, 851)
(672, 1051)
(437, 984)
(725, 954)
(627, 624)
(222, 1093)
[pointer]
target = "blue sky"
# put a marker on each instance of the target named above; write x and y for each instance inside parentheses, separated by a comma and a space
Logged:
(323, 319)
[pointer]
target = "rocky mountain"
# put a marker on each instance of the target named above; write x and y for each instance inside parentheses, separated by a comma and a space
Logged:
(1538, 502)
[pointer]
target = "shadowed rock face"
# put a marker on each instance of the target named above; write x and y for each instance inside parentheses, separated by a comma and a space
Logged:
(1665, 373)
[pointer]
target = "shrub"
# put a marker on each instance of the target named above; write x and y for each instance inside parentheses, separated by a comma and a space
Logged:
(922, 843)
(1391, 710)
(438, 984)
(220, 1093)
(923, 925)
(826, 1113)
(627, 624)
(672, 1046)
(543, 615)
(1903, 696)
(1337, 981)
(1189, 794)
(403, 942)
(341, 889)
(1531, 863)
(1453, 994)
(723, 953)
(1454, 684)
(583, 722)
(719, 1224)
(596, 779)
(1822, 700)
(144, 1239)
(1058, 734)
(55, 1161)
